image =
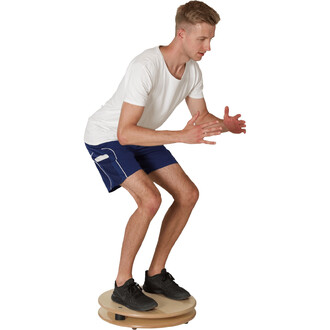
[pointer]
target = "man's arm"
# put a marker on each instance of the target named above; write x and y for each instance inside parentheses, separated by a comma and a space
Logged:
(129, 133)
(228, 123)
(195, 105)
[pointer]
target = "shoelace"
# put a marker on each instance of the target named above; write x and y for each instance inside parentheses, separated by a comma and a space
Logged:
(166, 276)
(134, 288)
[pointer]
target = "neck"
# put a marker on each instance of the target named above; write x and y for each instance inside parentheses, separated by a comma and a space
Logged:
(175, 57)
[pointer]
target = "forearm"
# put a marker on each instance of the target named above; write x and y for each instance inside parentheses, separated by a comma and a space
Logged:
(208, 117)
(141, 136)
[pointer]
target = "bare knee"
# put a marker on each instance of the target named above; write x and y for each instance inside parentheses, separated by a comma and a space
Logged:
(193, 194)
(150, 202)
(188, 195)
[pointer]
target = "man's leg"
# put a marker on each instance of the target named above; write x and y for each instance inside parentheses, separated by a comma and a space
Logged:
(173, 179)
(148, 200)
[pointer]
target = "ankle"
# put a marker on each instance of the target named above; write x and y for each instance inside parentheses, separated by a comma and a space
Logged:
(120, 281)
(154, 271)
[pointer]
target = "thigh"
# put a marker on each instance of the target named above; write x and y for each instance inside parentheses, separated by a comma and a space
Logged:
(114, 162)
(173, 179)
(140, 186)
(152, 158)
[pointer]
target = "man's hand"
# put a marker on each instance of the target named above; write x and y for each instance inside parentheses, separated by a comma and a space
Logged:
(232, 123)
(193, 133)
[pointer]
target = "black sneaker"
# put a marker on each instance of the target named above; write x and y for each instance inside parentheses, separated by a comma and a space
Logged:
(164, 283)
(131, 296)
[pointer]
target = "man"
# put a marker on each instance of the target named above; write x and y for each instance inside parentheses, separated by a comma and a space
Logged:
(128, 150)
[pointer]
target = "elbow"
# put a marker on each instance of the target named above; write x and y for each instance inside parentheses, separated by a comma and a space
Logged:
(122, 137)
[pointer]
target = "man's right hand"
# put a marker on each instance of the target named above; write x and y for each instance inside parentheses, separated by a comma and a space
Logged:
(194, 134)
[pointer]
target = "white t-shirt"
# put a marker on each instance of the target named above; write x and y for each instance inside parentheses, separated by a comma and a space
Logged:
(147, 83)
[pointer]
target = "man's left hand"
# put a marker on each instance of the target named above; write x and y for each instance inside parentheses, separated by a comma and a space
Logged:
(232, 123)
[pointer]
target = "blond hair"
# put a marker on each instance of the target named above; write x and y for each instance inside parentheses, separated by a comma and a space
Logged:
(194, 12)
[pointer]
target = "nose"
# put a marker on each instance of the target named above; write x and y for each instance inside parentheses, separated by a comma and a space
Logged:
(208, 46)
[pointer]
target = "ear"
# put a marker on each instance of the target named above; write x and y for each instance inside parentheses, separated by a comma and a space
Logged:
(180, 33)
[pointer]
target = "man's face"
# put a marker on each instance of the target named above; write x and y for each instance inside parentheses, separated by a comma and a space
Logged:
(196, 40)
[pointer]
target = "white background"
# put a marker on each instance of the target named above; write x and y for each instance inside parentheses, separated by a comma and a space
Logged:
(255, 253)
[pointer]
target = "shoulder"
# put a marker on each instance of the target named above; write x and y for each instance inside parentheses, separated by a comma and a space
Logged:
(194, 68)
(194, 72)
(148, 60)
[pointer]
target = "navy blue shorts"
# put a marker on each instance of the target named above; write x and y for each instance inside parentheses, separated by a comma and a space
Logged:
(116, 162)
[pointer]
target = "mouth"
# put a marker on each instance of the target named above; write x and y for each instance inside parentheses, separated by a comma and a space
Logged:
(201, 54)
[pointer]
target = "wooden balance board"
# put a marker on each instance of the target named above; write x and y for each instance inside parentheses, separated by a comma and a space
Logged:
(168, 313)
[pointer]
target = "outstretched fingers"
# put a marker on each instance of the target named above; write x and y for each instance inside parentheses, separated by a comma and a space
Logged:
(208, 142)
(215, 123)
(212, 131)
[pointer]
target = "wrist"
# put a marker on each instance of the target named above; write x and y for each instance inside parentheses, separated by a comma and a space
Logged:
(179, 137)
(224, 128)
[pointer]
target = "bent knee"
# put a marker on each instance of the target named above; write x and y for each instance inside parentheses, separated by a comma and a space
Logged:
(150, 202)
(193, 195)
(189, 195)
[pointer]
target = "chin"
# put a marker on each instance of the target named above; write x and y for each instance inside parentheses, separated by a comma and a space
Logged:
(195, 57)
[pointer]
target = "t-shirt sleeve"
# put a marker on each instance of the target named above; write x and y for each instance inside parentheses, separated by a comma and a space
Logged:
(197, 91)
(137, 84)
